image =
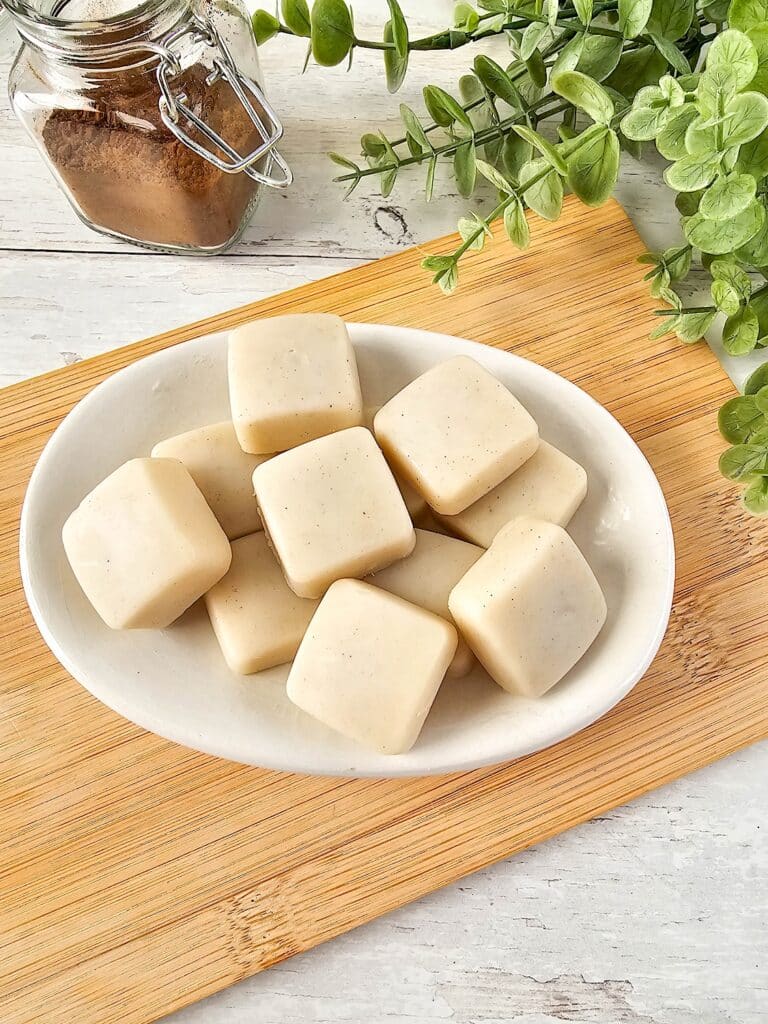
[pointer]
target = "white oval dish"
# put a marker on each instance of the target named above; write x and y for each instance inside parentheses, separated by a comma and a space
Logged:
(174, 682)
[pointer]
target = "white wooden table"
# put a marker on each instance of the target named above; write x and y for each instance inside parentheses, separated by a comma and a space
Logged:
(654, 914)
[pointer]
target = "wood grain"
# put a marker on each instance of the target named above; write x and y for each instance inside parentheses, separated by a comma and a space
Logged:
(137, 876)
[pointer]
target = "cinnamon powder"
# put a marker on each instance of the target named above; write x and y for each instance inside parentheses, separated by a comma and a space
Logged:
(127, 173)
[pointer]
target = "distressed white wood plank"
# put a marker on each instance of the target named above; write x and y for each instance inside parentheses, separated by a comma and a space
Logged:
(59, 307)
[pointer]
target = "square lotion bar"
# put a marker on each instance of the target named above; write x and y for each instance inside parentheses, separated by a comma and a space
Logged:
(257, 618)
(549, 486)
(370, 665)
(332, 509)
(530, 607)
(144, 545)
(222, 471)
(454, 433)
(427, 577)
(291, 379)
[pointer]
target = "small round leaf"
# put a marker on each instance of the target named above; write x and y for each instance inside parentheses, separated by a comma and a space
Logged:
(332, 32)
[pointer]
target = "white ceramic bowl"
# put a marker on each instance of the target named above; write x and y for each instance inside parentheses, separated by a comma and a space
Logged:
(175, 682)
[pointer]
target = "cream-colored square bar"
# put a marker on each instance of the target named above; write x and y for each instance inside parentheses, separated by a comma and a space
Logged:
(144, 545)
(530, 607)
(549, 486)
(454, 433)
(427, 577)
(332, 509)
(291, 379)
(414, 502)
(257, 618)
(222, 471)
(370, 665)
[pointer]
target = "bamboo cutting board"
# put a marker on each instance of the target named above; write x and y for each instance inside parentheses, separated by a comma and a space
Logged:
(137, 876)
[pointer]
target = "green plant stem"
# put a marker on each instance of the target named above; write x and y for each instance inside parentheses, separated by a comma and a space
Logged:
(762, 290)
(480, 139)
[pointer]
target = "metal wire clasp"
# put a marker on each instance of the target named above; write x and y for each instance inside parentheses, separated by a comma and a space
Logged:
(174, 111)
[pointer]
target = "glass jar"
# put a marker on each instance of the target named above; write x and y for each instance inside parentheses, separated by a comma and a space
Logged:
(151, 119)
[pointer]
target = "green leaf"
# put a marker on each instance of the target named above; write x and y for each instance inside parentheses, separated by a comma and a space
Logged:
(761, 400)
(747, 14)
(468, 228)
(746, 117)
(741, 331)
(637, 68)
(691, 327)
(495, 177)
(757, 380)
(716, 86)
(671, 18)
(395, 66)
(728, 196)
(569, 56)
(719, 237)
(444, 109)
(688, 203)
(670, 141)
(725, 297)
(445, 270)
(496, 80)
(585, 94)
(677, 263)
(516, 225)
(399, 29)
(594, 168)
(692, 172)
(532, 37)
(598, 56)
(759, 38)
(744, 461)
(644, 123)
(671, 53)
(465, 168)
(553, 9)
(295, 14)
(342, 161)
(414, 127)
(537, 69)
(633, 16)
(332, 33)
(429, 186)
(730, 272)
(716, 10)
(755, 497)
(514, 154)
(265, 26)
(544, 147)
(739, 419)
(583, 9)
(754, 250)
(545, 197)
(372, 146)
(734, 51)
(465, 17)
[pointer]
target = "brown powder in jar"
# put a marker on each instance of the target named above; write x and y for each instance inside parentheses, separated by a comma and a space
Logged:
(127, 172)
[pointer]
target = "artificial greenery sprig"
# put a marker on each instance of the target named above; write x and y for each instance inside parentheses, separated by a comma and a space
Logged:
(690, 76)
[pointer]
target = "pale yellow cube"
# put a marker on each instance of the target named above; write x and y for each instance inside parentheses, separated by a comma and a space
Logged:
(257, 618)
(291, 379)
(144, 545)
(427, 577)
(549, 486)
(454, 433)
(414, 502)
(370, 665)
(332, 509)
(222, 471)
(530, 607)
